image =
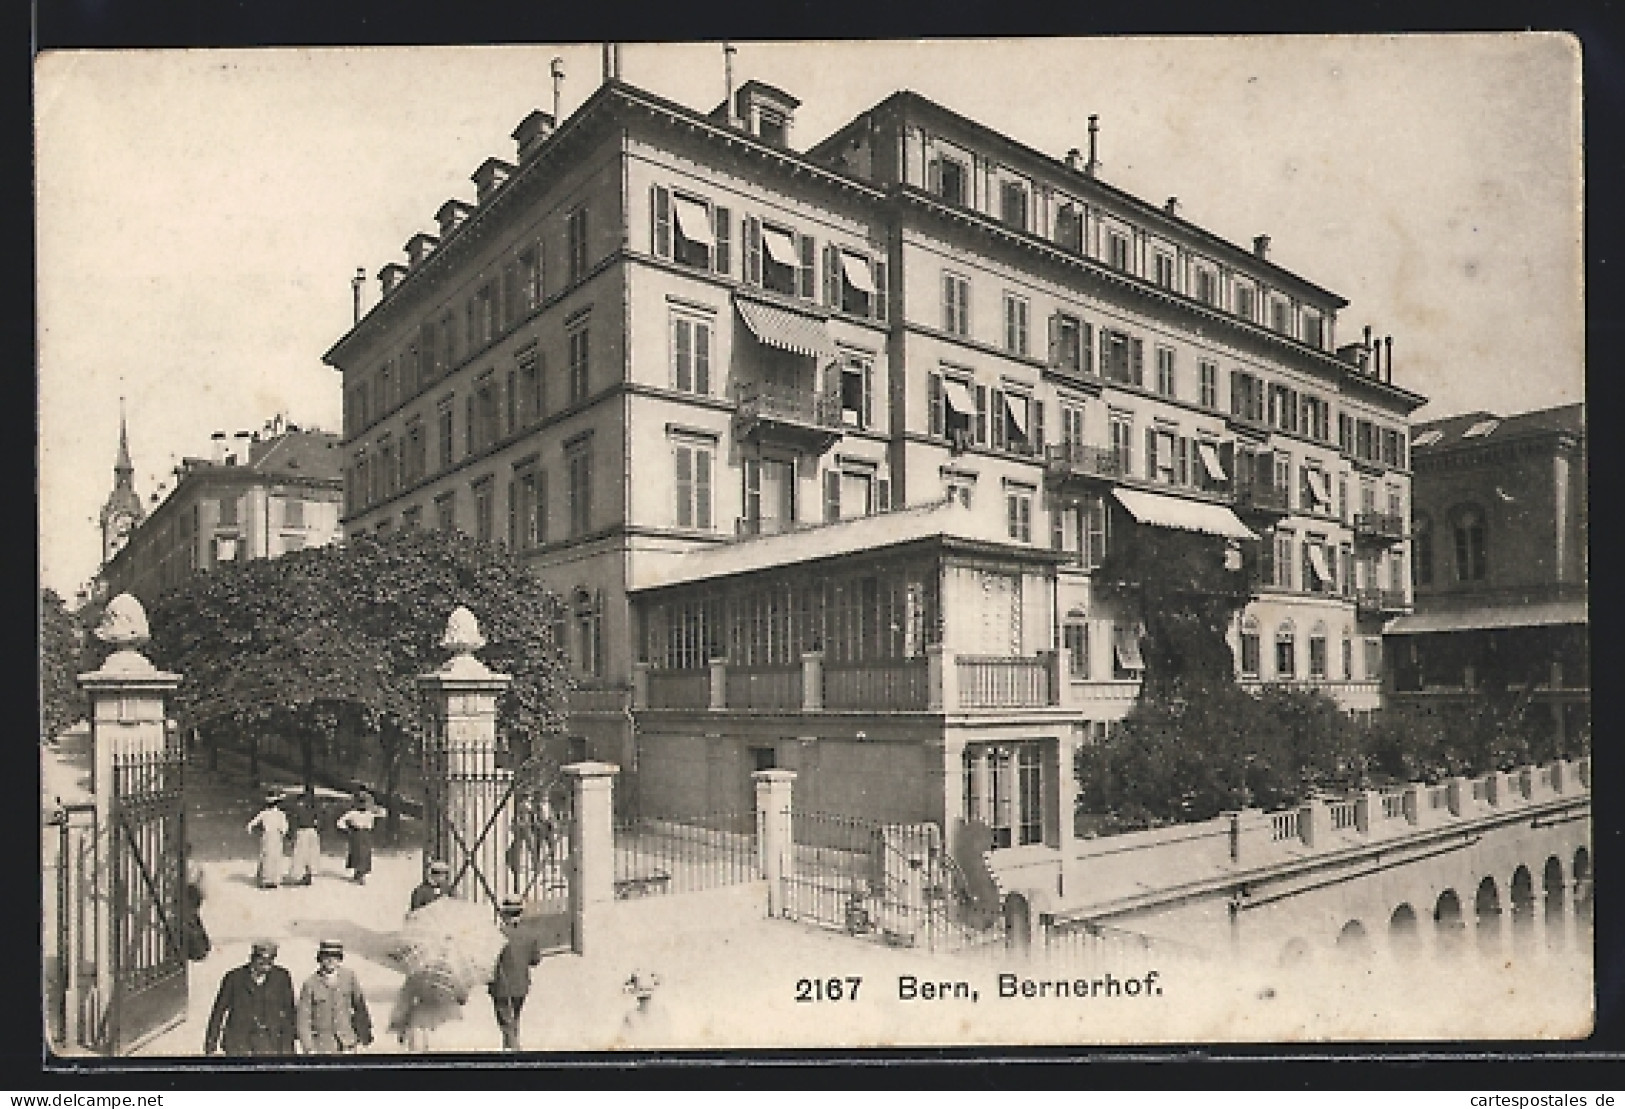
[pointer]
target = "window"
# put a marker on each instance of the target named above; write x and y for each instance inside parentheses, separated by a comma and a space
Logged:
(693, 238)
(948, 179)
(857, 392)
(1249, 647)
(1467, 522)
(955, 304)
(956, 407)
(1318, 574)
(1015, 324)
(691, 354)
(1422, 549)
(1208, 375)
(779, 257)
(1071, 347)
(444, 417)
(484, 511)
(1483, 427)
(1246, 306)
(693, 469)
(1283, 560)
(1246, 396)
(1122, 433)
(1018, 422)
(578, 460)
(525, 511)
(1427, 438)
(770, 490)
(1069, 227)
(1348, 656)
(1018, 501)
(530, 278)
(1312, 330)
(1004, 790)
(1072, 423)
(1126, 661)
(1165, 371)
(1117, 250)
(293, 513)
(1075, 639)
(1317, 651)
(532, 399)
(1286, 651)
(1314, 492)
(1207, 288)
(445, 511)
(1121, 357)
(412, 517)
(849, 493)
(857, 281)
(227, 512)
(1278, 315)
(576, 234)
(1283, 474)
(1165, 270)
(579, 356)
(589, 632)
(1013, 205)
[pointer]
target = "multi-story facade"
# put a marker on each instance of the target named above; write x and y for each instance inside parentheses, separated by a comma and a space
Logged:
(823, 447)
(278, 491)
(1500, 567)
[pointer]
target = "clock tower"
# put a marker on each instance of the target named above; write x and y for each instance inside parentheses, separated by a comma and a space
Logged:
(122, 512)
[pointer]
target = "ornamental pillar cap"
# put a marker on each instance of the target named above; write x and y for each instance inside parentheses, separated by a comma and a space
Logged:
(124, 628)
(462, 638)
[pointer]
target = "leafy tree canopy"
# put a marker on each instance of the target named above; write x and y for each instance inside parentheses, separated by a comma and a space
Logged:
(62, 658)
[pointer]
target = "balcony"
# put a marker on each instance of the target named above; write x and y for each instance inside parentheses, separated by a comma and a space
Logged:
(1270, 499)
(1380, 602)
(748, 526)
(799, 418)
(1382, 527)
(1080, 460)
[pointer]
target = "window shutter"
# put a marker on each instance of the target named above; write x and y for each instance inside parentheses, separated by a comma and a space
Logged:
(882, 292)
(724, 237)
(1182, 460)
(660, 204)
(808, 252)
(513, 517)
(981, 414)
(936, 416)
(702, 488)
(753, 250)
(685, 487)
(1137, 361)
(1105, 352)
(832, 277)
(868, 396)
(1087, 343)
(1227, 461)
(998, 419)
(883, 495)
(470, 439)
(1056, 513)
(1054, 339)
(1151, 453)
(1235, 392)
(832, 495)
(933, 176)
(702, 358)
(1036, 415)
(832, 384)
(682, 354)
(949, 303)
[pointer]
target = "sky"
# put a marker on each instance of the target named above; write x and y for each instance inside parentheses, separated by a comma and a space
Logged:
(201, 213)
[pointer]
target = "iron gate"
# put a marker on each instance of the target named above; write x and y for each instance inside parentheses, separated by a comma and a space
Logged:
(72, 1003)
(521, 847)
(148, 874)
(895, 883)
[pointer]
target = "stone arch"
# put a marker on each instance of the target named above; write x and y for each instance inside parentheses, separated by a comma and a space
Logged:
(1555, 910)
(1487, 913)
(1448, 925)
(1582, 887)
(1522, 894)
(1404, 931)
(1353, 940)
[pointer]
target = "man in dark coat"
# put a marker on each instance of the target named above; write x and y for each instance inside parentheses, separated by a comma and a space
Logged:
(510, 985)
(433, 887)
(254, 1010)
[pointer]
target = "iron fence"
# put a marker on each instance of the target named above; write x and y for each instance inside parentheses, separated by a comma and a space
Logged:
(665, 855)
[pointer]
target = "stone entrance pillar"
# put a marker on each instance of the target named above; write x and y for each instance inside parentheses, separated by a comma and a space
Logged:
(127, 729)
(592, 851)
(467, 822)
(774, 837)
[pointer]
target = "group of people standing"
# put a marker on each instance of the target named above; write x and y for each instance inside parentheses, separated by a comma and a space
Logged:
(301, 817)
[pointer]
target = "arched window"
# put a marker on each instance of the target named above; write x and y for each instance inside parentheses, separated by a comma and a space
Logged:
(1286, 651)
(1250, 647)
(1317, 650)
(1472, 556)
(1422, 549)
(1348, 654)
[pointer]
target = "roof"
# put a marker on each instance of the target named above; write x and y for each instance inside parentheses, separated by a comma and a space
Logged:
(948, 521)
(1563, 419)
(1181, 514)
(1490, 617)
(306, 454)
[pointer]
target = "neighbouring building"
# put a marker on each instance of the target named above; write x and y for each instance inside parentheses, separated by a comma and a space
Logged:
(275, 490)
(1499, 561)
(821, 447)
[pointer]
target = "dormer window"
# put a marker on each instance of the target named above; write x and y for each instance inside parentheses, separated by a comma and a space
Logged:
(1206, 287)
(1245, 305)
(773, 126)
(947, 179)
(1165, 270)
(1069, 228)
(1117, 250)
(1013, 205)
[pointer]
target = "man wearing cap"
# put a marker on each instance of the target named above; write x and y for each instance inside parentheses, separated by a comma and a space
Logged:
(254, 1010)
(433, 887)
(332, 1014)
(272, 825)
(510, 985)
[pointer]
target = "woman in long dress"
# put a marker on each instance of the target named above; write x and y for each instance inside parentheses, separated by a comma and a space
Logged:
(357, 823)
(272, 825)
(195, 934)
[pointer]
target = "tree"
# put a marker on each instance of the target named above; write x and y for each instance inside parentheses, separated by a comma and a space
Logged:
(330, 638)
(62, 657)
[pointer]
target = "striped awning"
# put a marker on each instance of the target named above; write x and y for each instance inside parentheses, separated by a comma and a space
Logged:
(1542, 614)
(788, 330)
(1182, 515)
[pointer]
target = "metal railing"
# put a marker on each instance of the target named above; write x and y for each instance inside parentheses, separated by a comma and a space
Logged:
(1266, 498)
(655, 856)
(1380, 600)
(987, 681)
(1383, 525)
(1285, 826)
(1082, 458)
(762, 400)
(763, 687)
(892, 684)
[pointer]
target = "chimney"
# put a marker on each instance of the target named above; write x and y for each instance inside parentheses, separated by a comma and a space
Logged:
(217, 448)
(1074, 158)
(1366, 356)
(490, 177)
(390, 277)
(356, 282)
(1261, 246)
(1092, 167)
(558, 86)
(1171, 206)
(530, 133)
(612, 62)
(728, 52)
(451, 216)
(419, 247)
(1388, 359)
(243, 444)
